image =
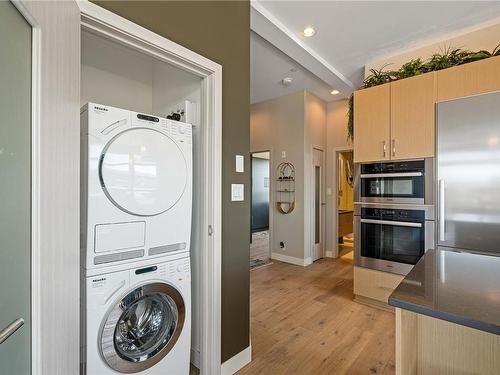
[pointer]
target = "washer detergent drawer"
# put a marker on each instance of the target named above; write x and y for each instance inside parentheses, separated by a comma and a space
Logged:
(119, 236)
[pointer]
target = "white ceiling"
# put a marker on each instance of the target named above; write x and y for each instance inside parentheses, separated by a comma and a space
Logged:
(349, 34)
(268, 66)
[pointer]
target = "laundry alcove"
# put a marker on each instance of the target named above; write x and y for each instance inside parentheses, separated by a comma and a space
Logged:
(114, 74)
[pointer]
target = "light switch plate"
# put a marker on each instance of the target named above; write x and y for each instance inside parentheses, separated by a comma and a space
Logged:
(283, 154)
(237, 192)
(240, 164)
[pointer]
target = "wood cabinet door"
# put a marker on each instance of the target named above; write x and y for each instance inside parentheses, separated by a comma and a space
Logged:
(469, 79)
(413, 117)
(372, 124)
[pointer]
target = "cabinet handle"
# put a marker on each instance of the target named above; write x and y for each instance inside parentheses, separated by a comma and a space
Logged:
(384, 147)
(393, 147)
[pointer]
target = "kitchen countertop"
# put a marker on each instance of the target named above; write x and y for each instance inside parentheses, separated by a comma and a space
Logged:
(457, 286)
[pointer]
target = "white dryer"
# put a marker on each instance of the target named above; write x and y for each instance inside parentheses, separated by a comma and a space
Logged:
(138, 320)
(136, 186)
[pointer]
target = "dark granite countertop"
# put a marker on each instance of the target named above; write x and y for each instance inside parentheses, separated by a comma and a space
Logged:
(457, 286)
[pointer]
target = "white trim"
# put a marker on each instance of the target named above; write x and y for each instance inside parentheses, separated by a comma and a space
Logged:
(36, 361)
(237, 362)
(336, 151)
(102, 22)
(292, 260)
(329, 254)
(269, 27)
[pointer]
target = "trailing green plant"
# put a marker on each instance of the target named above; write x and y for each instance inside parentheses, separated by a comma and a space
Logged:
(446, 58)
(350, 119)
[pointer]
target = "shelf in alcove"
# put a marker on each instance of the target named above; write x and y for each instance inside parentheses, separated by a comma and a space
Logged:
(285, 191)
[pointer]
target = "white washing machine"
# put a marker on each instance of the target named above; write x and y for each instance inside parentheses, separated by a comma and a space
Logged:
(138, 320)
(136, 187)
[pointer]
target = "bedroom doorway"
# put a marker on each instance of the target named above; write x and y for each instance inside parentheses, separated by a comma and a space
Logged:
(259, 242)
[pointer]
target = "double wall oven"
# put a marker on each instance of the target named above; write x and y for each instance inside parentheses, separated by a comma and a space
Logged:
(394, 214)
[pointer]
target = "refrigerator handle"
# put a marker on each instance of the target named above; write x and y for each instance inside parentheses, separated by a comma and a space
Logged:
(442, 233)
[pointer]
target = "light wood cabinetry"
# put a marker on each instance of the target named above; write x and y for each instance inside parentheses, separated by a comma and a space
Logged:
(372, 124)
(426, 345)
(376, 285)
(413, 117)
(469, 79)
(401, 114)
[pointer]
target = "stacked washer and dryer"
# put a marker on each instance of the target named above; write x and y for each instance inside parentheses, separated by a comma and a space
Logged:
(135, 234)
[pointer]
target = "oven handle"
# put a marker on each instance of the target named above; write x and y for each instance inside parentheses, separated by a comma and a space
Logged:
(389, 175)
(389, 222)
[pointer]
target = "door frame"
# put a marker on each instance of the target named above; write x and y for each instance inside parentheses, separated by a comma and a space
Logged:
(35, 248)
(104, 23)
(337, 151)
(271, 200)
(322, 228)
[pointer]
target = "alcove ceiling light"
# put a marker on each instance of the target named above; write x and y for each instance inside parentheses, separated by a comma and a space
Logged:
(309, 31)
(334, 92)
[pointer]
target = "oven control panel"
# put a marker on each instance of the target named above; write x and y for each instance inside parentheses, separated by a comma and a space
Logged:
(392, 214)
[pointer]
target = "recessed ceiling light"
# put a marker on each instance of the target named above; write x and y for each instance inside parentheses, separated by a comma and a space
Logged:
(309, 31)
(334, 92)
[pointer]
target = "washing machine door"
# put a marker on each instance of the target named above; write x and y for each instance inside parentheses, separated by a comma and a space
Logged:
(142, 327)
(143, 171)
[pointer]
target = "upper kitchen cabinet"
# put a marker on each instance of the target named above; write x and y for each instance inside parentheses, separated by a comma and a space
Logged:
(413, 117)
(469, 79)
(372, 124)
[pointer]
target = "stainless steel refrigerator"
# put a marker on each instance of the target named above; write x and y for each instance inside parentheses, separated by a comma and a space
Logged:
(468, 173)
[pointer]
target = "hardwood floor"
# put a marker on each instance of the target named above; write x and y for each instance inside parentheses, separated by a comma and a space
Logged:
(304, 321)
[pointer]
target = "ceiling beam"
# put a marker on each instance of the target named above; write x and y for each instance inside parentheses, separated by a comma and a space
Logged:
(275, 32)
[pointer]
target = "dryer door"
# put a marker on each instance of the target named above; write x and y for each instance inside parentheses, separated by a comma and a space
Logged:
(142, 327)
(143, 171)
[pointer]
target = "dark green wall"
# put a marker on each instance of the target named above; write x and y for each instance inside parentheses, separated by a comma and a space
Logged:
(219, 31)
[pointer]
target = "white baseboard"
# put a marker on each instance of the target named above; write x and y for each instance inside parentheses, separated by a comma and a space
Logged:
(329, 254)
(236, 363)
(291, 260)
(195, 358)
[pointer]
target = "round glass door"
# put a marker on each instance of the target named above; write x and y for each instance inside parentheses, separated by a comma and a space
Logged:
(143, 172)
(142, 327)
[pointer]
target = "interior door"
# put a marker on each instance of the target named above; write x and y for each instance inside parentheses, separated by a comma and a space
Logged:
(319, 205)
(15, 191)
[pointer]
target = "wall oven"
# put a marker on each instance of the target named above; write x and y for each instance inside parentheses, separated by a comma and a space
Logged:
(408, 182)
(392, 238)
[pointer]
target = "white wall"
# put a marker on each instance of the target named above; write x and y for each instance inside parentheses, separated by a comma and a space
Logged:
(295, 124)
(277, 125)
(336, 139)
(480, 38)
(114, 75)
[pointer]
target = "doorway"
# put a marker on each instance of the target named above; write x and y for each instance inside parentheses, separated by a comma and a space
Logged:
(260, 202)
(345, 204)
(318, 204)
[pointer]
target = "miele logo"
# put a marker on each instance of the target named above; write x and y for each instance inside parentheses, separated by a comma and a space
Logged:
(100, 108)
(99, 280)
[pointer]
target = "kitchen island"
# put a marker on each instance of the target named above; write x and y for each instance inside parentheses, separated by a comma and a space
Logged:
(448, 315)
